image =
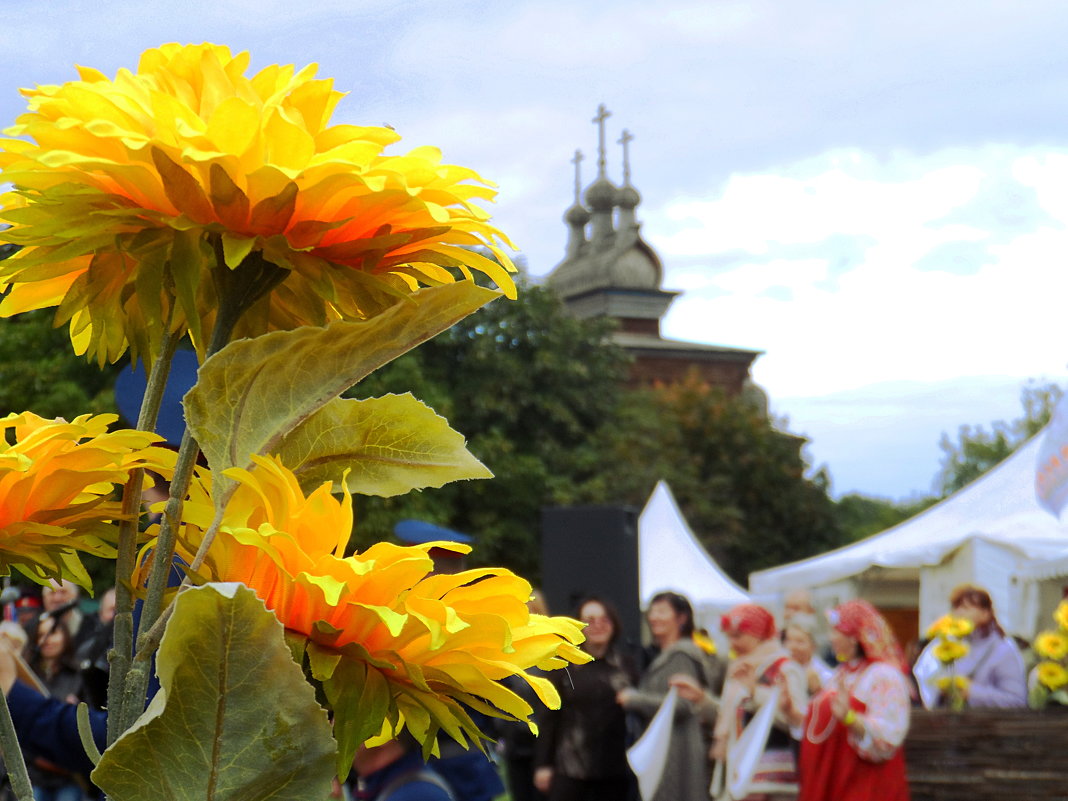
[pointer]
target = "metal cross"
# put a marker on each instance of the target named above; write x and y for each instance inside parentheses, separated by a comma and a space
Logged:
(577, 160)
(602, 115)
(625, 140)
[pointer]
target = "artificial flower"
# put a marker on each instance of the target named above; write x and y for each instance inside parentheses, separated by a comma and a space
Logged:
(56, 482)
(1060, 614)
(129, 190)
(950, 626)
(1052, 675)
(1052, 645)
(415, 646)
(948, 651)
(704, 642)
(958, 684)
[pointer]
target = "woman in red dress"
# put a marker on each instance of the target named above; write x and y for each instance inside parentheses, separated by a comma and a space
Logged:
(855, 727)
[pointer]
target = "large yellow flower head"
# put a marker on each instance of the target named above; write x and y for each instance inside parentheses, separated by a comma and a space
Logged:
(392, 643)
(948, 651)
(1051, 675)
(128, 189)
(1060, 615)
(1052, 645)
(950, 626)
(953, 683)
(56, 483)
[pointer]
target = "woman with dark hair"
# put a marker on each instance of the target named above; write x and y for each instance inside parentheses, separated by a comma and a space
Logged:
(581, 747)
(855, 727)
(51, 656)
(993, 665)
(686, 774)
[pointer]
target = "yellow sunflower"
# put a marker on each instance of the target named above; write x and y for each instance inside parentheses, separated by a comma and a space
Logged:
(950, 651)
(1060, 614)
(1052, 645)
(56, 483)
(1052, 675)
(128, 190)
(950, 626)
(957, 683)
(392, 644)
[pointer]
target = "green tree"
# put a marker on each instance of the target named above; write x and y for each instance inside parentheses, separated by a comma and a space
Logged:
(977, 449)
(860, 516)
(39, 371)
(740, 482)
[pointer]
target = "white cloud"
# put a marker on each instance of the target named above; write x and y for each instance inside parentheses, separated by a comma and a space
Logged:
(827, 330)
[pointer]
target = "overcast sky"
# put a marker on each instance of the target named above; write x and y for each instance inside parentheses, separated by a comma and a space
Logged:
(875, 195)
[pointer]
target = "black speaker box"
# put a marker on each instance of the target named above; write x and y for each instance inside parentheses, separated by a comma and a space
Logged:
(592, 550)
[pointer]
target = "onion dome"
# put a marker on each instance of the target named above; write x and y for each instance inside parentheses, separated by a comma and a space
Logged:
(601, 195)
(628, 197)
(578, 215)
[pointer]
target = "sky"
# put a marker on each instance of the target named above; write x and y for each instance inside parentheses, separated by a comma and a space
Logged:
(873, 195)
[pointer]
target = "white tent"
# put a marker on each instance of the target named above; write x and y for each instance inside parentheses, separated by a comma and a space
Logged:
(671, 558)
(992, 533)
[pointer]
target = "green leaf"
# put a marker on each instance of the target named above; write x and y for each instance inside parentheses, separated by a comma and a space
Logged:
(391, 445)
(254, 392)
(235, 719)
(360, 698)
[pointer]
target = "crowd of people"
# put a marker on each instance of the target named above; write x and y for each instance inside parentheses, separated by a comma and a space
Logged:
(64, 653)
(841, 687)
(835, 683)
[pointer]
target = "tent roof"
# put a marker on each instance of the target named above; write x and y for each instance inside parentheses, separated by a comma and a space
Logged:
(671, 558)
(1000, 507)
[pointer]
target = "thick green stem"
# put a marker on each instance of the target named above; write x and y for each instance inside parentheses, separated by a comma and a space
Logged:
(237, 290)
(136, 685)
(122, 649)
(12, 754)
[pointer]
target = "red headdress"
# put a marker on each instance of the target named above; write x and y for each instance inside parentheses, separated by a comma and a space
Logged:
(860, 620)
(749, 619)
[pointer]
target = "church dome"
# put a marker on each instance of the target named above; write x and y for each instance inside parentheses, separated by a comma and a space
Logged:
(628, 197)
(577, 215)
(601, 195)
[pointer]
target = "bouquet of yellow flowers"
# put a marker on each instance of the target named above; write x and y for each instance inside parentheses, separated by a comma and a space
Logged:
(949, 632)
(1049, 679)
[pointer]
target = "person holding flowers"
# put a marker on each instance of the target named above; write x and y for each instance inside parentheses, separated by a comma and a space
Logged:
(1048, 682)
(971, 658)
(856, 725)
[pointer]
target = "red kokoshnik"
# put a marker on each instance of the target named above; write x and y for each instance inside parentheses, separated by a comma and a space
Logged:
(860, 620)
(749, 619)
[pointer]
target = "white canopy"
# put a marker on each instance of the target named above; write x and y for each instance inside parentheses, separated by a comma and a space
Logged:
(997, 516)
(671, 558)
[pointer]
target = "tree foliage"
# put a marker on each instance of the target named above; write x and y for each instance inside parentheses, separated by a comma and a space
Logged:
(860, 516)
(740, 482)
(38, 371)
(977, 450)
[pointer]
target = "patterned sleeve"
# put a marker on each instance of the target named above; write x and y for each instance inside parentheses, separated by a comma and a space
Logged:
(883, 691)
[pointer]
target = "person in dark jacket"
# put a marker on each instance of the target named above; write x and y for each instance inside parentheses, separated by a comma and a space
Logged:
(581, 749)
(51, 657)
